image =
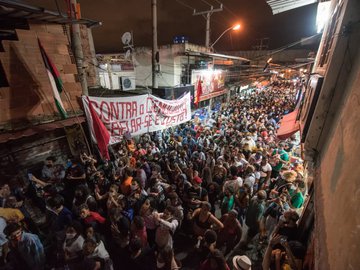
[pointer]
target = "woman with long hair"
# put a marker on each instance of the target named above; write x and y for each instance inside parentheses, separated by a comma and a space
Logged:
(206, 176)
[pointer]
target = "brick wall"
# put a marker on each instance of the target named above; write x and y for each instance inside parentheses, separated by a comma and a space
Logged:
(29, 99)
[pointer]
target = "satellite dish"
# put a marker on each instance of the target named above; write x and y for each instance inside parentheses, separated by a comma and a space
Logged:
(126, 38)
(127, 54)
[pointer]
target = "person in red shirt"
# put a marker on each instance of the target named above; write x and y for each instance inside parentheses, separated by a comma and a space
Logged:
(89, 217)
(138, 230)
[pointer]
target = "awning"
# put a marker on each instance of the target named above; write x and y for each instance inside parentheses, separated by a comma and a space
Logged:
(278, 6)
(288, 125)
(14, 135)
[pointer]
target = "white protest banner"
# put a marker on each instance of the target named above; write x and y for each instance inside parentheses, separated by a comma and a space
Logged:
(137, 114)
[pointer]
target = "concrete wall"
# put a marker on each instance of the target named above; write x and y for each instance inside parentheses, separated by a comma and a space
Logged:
(335, 133)
(169, 75)
(29, 98)
(338, 187)
(89, 56)
(172, 60)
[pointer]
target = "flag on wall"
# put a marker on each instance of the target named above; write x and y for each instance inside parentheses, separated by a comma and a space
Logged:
(55, 80)
(101, 133)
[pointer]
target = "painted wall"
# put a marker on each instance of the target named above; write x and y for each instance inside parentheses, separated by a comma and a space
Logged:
(172, 62)
(169, 74)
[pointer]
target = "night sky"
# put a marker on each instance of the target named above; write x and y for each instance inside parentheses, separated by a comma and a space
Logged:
(255, 16)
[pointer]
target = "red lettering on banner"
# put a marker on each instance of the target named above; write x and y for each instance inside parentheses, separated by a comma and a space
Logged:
(148, 121)
(138, 123)
(133, 126)
(104, 111)
(164, 120)
(128, 110)
(149, 104)
(138, 115)
(134, 109)
(124, 127)
(157, 120)
(116, 129)
(114, 111)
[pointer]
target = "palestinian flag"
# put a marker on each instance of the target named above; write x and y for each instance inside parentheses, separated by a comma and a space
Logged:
(55, 80)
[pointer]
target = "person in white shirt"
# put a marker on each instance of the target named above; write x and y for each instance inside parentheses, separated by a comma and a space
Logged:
(249, 140)
(250, 177)
(167, 226)
(265, 172)
(73, 244)
(235, 181)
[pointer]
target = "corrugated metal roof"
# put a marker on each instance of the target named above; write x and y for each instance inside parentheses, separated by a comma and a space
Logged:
(12, 9)
(279, 6)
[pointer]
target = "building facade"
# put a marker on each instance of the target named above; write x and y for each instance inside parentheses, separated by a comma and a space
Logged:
(330, 122)
(31, 127)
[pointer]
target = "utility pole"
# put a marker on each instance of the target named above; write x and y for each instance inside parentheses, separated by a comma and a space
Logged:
(155, 52)
(77, 48)
(207, 14)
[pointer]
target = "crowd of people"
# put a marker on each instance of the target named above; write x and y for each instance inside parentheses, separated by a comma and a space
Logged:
(219, 184)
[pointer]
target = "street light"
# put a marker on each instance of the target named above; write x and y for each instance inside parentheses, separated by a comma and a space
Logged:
(234, 27)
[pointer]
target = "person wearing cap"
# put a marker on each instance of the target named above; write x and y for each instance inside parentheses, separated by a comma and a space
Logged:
(254, 213)
(241, 263)
(230, 235)
(282, 157)
(195, 194)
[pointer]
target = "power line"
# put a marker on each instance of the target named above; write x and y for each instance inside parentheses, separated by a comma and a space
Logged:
(207, 3)
(285, 47)
(229, 10)
(185, 5)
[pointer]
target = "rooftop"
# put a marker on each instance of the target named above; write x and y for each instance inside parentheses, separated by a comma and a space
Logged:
(19, 10)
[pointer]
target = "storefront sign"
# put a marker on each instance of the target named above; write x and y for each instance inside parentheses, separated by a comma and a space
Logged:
(211, 81)
(137, 114)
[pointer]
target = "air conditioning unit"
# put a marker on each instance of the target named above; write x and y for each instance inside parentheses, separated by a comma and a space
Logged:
(127, 83)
